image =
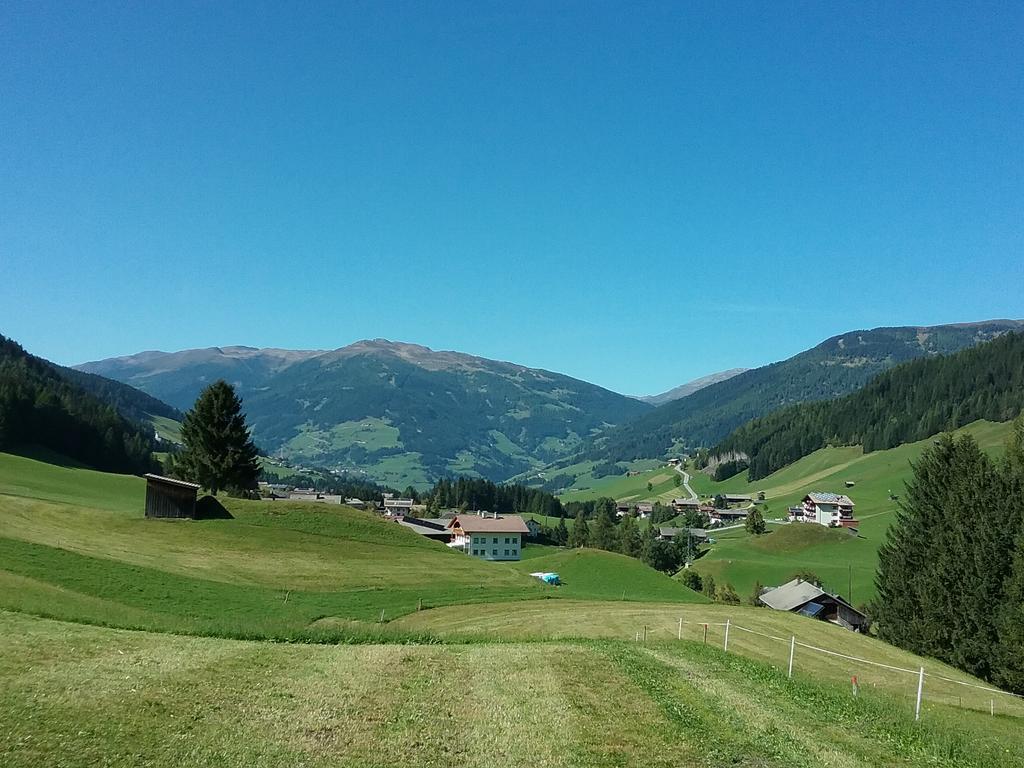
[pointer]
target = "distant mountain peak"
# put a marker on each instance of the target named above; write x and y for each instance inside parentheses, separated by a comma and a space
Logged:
(683, 390)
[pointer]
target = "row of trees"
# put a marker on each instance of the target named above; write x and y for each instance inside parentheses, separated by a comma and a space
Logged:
(477, 493)
(38, 406)
(601, 531)
(951, 575)
(907, 403)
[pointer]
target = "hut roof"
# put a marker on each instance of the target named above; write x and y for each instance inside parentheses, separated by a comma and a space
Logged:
(171, 481)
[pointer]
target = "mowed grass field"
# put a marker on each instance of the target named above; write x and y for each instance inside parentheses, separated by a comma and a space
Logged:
(75, 695)
(563, 621)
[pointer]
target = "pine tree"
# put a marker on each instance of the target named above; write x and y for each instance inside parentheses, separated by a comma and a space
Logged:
(649, 546)
(755, 522)
(561, 533)
(603, 534)
(630, 543)
(947, 562)
(580, 534)
(218, 452)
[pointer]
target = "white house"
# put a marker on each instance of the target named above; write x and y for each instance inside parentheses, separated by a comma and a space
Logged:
(831, 509)
(488, 536)
(397, 507)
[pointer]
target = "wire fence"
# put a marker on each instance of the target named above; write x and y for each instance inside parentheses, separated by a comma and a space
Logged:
(919, 675)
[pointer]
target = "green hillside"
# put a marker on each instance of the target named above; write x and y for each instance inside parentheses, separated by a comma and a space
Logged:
(835, 367)
(74, 544)
(741, 559)
(910, 402)
(590, 574)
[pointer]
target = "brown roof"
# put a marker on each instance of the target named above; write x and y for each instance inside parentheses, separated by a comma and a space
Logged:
(501, 524)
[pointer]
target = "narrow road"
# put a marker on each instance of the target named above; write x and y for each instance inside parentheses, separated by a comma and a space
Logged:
(686, 481)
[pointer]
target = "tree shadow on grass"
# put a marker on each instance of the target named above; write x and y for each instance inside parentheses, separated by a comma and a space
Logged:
(209, 508)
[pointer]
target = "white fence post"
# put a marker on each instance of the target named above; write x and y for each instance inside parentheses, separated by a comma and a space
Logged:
(679, 634)
(920, 687)
(792, 647)
(727, 623)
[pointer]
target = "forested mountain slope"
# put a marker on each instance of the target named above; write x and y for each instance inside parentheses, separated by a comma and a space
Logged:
(834, 368)
(132, 403)
(38, 406)
(910, 402)
(402, 413)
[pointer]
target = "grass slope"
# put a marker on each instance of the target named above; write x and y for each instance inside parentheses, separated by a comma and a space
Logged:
(74, 544)
(558, 620)
(591, 574)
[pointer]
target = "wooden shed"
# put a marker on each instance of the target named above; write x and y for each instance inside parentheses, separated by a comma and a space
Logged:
(167, 497)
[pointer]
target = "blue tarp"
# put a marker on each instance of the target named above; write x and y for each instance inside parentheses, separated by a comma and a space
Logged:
(811, 609)
(548, 577)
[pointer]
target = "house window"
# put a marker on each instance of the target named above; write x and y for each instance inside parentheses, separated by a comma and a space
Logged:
(495, 541)
(494, 553)
(506, 553)
(506, 541)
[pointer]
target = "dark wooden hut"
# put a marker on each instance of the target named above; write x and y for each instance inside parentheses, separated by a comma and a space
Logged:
(167, 497)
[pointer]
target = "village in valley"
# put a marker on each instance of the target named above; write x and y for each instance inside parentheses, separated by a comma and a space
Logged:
(491, 536)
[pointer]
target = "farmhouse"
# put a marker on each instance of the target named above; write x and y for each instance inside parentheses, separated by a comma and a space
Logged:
(534, 528)
(167, 497)
(724, 516)
(831, 509)
(488, 536)
(644, 509)
(807, 599)
(666, 533)
(622, 509)
(738, 498)
(685, 504)
(397, 507)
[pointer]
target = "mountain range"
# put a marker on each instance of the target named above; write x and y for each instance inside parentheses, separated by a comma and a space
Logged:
(405, 414)
(401, 413)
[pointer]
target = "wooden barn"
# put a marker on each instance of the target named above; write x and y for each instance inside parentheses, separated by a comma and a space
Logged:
(167, 497)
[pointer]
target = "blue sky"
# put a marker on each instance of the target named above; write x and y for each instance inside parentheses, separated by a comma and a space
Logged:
(635, 194)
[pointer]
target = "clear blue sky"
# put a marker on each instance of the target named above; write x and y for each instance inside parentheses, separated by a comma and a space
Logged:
(632, 193)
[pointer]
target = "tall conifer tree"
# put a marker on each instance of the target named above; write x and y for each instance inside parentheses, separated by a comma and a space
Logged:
(218, 451)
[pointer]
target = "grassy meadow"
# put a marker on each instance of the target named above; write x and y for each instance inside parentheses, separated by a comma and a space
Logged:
(74, 544)
(256, 640)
